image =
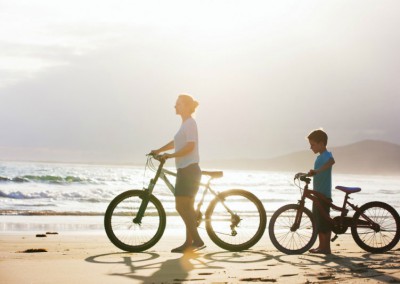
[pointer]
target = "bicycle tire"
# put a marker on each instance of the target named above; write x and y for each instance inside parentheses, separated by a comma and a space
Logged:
(389, 223)
(119, 226)
(286, 240)
(249, 214)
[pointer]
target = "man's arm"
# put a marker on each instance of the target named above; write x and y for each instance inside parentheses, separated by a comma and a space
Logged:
(169, 146)
(182, 152)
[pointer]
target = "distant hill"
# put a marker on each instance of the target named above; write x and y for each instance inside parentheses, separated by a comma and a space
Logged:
(365, 157)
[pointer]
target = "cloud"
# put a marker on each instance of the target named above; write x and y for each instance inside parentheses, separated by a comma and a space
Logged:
(104, 87)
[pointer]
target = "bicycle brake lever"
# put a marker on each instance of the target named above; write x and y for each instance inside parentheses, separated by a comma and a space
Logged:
(298, 175)
(155, 156)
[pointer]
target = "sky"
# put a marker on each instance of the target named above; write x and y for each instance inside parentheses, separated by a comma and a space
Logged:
(97, 81)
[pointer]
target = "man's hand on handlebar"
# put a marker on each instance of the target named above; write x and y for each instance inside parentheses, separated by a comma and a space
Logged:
(165, 156)
(154, 153)
(157, 156)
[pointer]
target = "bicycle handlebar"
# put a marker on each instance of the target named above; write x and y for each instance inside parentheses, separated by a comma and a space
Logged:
(157, 157)
(303, 177)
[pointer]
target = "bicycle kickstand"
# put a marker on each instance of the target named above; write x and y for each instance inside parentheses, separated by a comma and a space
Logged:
(334, 238)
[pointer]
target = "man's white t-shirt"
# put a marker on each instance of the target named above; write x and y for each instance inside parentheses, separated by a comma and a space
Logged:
(187, 133)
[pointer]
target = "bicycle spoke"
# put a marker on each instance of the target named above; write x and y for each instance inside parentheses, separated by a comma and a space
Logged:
(120, 226)
(236, 220)
(281, 234)
(383, 233)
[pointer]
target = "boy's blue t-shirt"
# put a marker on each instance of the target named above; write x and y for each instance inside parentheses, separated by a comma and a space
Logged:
(322, 181)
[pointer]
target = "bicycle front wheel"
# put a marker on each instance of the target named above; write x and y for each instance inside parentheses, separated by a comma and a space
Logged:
(376, 227)
(235, 220)
(284, 237)
(127, 234)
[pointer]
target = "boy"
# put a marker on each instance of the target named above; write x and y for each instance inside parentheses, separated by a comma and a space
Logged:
(322, 183)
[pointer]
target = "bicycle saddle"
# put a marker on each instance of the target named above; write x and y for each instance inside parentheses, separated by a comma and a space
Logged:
(213, 174)
(348, 189)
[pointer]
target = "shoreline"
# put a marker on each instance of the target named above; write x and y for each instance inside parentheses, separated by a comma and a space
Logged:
(85, 254)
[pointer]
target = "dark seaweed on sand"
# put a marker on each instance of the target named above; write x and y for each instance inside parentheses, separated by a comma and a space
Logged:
(34, 250)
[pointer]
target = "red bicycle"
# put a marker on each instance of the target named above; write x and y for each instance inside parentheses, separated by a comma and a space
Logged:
(375, 226)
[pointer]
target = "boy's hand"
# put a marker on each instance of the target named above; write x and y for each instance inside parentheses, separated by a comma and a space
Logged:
(312, 173)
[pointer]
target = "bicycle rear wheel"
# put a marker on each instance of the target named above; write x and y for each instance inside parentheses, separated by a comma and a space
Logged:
(240, 228)
(381, 235)
(121, 229)
(284, 238)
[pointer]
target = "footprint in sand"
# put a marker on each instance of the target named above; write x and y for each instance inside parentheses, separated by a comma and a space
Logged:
(326, 277)
(258, 279)
(33, 250)
(184, 280)
(205, 273)
(289, 275)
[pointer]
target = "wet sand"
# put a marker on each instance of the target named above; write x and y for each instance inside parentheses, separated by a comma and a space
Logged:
(87, 256)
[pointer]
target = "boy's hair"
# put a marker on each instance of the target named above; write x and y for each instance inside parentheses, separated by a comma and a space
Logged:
(318, 136)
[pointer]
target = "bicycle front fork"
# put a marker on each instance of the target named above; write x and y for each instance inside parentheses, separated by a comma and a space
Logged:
(297, 219)
(143, 205)
(199, 217)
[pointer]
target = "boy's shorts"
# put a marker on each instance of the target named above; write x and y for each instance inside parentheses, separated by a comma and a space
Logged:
(321, 223)
(188, 181)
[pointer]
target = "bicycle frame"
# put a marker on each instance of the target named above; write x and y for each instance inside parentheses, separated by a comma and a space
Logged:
(162, 174)
(317, 198)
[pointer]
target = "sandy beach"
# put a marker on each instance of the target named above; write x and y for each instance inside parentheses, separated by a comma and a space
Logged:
(83, 255)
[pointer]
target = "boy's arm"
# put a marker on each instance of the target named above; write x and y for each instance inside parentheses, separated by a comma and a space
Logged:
(326, 166)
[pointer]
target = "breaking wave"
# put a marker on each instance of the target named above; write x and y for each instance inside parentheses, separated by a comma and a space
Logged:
(49, 179)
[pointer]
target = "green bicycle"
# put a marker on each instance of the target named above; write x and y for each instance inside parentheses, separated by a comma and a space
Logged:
(135, 220)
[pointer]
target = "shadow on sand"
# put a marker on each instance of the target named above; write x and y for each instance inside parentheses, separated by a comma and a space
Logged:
(341, 268)
(150, 268)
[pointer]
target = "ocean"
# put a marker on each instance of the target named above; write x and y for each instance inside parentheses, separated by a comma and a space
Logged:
(28, 188)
